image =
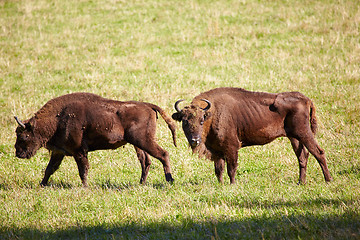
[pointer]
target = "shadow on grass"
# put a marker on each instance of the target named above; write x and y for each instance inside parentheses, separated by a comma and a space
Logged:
(103, 185)
(346, 226)
(122, 186)
(114, 185)
(352, 170)
(55, 185)
(61, 185)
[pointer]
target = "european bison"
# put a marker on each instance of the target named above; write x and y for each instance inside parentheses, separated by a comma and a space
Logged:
(219, 122)
(75, 124)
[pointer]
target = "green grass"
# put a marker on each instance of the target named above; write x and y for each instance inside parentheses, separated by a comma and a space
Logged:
(160, 51)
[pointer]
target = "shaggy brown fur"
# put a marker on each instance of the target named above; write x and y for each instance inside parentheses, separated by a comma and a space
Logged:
(239, 118)
(75, 124)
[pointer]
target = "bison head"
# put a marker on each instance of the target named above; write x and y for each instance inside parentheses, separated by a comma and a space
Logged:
(193, 118)
(26, 142)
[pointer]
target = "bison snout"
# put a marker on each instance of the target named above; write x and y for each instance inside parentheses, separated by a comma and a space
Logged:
(195, 141)
(20, 154)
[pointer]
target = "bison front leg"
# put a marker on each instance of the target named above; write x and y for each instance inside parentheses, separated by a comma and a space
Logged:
(83, 167)
(145, 162)
(302, 156)
(219, 164)
(55, 161)
(232, 164)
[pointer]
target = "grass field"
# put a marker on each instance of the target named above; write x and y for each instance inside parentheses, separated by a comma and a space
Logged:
(159, 51)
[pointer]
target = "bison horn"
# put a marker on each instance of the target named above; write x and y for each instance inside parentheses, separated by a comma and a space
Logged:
(22, 125)
(176, 105)
(208, 106)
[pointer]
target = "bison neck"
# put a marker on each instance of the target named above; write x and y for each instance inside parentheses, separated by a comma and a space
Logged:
(45, 129)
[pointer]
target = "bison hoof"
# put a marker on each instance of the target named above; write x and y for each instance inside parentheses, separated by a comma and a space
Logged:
(169, 178)
(330, 179)
(43, 184)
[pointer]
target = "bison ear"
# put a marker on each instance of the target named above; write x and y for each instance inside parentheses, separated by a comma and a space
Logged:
(207, 115)
(177, 116)
(30, 124)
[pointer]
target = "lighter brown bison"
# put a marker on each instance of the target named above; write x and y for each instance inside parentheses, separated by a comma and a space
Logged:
(75, 124)
(219, 122)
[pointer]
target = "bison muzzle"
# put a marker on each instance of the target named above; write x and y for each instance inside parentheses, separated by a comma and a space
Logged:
(219, 122)
(75, 124)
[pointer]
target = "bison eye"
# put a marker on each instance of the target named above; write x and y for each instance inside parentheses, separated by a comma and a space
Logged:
(25, 137)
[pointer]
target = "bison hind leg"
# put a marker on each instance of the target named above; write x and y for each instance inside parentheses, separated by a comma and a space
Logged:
(145, 162)
(313, 147)
(83, 167)
(149, 146)
(302, 155)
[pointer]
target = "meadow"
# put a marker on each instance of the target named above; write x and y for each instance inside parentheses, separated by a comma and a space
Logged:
(160, 51)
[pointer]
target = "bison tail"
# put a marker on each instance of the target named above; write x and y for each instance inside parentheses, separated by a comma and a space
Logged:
(171, 124)
(313, 121)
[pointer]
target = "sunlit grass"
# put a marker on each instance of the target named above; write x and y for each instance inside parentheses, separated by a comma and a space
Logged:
(160, 51)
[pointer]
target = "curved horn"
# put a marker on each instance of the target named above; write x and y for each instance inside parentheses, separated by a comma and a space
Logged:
(22, 125)
(176, 105)
(208, 106)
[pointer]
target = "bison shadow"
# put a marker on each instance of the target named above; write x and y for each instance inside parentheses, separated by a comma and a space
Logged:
(352, 170)
(62, 185)
(123, 186)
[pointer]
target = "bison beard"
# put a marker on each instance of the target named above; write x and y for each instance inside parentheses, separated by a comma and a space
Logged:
(219, 122)
(75, 124)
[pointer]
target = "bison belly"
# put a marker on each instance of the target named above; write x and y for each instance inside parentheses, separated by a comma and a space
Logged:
(105, 138)
(262, 130)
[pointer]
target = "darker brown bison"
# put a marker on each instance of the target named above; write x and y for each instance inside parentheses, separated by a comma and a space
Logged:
(75, 124)
(219, 122)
